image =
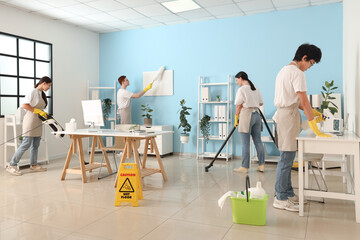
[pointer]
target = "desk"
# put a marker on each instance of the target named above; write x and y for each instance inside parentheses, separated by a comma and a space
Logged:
(97, 135)
(348, 144)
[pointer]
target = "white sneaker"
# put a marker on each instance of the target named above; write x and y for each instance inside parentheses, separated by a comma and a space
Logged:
(37, 168)
(295, 199)
(241, 170)
(261, 168)
(13, 170)
(285, 205)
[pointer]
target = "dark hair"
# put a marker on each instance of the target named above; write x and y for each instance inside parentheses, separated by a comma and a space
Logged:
(244, 76)
(44, 79)
(311, 51)
(121, 79)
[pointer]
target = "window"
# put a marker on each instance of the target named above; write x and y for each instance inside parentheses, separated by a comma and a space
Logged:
(23, 62)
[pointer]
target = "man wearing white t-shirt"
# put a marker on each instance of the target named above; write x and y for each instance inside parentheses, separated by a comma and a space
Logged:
(123, 99)
(290, 96)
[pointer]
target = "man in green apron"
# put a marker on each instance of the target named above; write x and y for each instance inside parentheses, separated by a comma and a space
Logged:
(290, 96)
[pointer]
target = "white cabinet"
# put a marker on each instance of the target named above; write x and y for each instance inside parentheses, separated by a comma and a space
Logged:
(220, 117)
(164, 142)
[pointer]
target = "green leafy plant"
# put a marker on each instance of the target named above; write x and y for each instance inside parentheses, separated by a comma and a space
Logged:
(205, 127)
(133, 127)
(106, 107)
(326, 103)
(218, 96)
(147, 110)
(184, 111)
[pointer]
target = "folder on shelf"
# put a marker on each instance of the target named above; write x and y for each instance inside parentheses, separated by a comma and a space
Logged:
(216, 113)
(205, 94)
(225, 132)
(220, 130)
(223, 113)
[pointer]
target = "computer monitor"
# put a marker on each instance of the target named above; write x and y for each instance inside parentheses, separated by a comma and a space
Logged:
(93, 114)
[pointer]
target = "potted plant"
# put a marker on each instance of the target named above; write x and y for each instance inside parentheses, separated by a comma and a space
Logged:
(205, 127)
(327, 104)
(218, 98)
(184, 111)
(106, 107)
(147, 116)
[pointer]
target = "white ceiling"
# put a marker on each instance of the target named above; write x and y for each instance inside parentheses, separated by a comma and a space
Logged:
(117, 15)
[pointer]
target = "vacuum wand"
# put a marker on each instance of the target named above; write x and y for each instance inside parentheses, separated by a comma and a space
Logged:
(217, 154)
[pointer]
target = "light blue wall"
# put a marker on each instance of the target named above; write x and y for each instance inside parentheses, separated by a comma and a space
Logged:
(259, 44)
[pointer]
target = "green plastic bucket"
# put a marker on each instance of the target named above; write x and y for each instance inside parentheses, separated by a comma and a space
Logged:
(252, 212)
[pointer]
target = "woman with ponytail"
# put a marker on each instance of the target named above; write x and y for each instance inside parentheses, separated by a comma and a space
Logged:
(34, 104)
(248, 99)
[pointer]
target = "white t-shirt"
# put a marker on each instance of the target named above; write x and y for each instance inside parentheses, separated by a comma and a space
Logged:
(247, 97)
(289, 80)
(33, 98)
(123, 98)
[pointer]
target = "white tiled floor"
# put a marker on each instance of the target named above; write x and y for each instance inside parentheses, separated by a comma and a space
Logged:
(40, 206)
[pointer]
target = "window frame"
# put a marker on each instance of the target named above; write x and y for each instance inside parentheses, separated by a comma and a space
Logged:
(34, 78)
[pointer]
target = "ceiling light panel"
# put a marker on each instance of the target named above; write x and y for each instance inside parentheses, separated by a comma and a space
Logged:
(180, 6)
(194, 14)
(213, 3)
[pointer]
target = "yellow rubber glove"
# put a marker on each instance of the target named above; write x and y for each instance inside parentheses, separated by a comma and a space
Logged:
(148, 87)
(317, 116)
(40, 112)
(236, 120)
(316, 130)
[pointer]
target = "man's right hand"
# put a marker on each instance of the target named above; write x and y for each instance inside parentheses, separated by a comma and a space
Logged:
(316, 130)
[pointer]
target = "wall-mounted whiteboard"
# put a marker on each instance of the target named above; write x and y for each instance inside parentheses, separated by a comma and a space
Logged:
(163, 86)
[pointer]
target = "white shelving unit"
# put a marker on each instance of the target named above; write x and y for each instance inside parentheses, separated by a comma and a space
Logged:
(98, 93)
(95, 93)
(203, 108)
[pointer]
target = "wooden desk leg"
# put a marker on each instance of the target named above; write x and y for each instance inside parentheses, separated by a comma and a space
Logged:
(135, 153)
(159, 159)
(101, 144)
(146, 147)
(128, 143)
(93, 145)
(301, 177)
(68, 158)
(357, 182)
(123, 159)
(82, 160)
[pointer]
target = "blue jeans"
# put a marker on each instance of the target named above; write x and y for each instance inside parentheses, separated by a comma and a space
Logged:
(28, 142)
(255, 132)
(283, 186)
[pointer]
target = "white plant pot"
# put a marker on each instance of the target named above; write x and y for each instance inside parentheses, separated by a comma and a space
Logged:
(184, 138)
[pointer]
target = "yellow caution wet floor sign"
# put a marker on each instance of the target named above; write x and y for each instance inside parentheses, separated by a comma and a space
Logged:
(128, 185)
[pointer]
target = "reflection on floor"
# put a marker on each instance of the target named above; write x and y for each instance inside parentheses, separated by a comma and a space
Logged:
(40, 206)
